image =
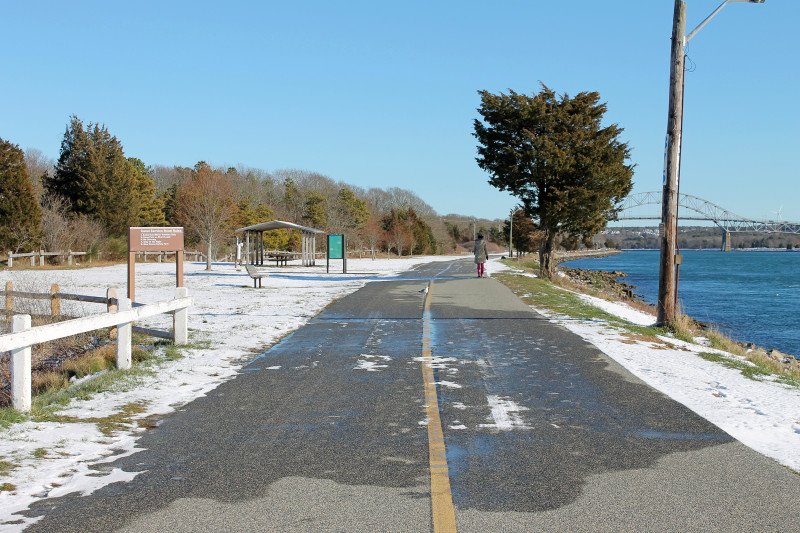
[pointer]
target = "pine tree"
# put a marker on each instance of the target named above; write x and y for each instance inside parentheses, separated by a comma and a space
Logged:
(352, 211)
(20, 213)
(167, 197)
(553, 154)
(93, 174)
(151, 206)
(404, 228)
(315, 211)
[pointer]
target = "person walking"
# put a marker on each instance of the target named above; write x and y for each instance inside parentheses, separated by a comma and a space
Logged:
(481, 254)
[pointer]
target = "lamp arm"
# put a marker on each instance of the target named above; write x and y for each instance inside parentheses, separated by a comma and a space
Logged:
(698, 28)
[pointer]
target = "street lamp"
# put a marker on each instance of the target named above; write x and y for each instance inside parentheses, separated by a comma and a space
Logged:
(667, 285)
(712, 15)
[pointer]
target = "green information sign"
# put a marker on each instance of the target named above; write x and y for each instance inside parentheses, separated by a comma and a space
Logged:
(335, 246)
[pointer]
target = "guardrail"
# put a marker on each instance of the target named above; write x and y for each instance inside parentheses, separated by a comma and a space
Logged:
(23, 336)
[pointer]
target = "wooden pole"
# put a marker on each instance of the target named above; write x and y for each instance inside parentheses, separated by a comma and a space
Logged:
(669, 203)
(511, 235)
(9, 300)
(179, 268)
(132, 276)
(55, 302)
(111, 307)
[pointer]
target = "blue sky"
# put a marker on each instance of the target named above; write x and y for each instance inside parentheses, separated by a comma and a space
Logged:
(384, 93)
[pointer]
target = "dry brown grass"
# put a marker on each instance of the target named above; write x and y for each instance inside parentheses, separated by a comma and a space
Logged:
(54, 362)
(91, 362)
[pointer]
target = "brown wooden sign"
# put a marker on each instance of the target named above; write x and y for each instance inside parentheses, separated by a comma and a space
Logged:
(155, 239)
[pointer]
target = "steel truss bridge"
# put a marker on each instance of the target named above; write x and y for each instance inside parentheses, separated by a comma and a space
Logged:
(703, 210)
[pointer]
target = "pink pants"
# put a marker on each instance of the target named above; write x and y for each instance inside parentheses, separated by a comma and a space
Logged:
(480, 269)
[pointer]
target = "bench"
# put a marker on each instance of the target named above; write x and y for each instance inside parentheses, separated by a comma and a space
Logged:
(255, 274)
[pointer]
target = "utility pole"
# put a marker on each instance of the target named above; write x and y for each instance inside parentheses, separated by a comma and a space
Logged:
(667, 311)
(511, 235)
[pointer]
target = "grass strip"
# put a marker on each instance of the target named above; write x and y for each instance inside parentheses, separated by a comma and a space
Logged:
(564, 302)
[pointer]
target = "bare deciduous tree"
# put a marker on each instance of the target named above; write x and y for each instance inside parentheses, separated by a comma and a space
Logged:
(205, 207)
(60, 233)
(38, 165)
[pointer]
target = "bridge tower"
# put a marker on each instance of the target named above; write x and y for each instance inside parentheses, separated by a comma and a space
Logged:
(726, 240)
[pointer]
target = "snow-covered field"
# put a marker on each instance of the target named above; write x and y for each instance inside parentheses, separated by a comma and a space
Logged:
(53, 459)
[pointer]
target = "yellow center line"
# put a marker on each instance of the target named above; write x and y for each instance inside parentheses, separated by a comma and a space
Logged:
(444, 515)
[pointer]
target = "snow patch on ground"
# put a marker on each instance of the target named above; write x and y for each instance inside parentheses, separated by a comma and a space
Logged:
(54, 458)
(229, 322)
(505, 414)
(763, 415)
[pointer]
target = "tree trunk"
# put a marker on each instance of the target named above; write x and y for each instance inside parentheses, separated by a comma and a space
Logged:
(208, 254)
(546, 266)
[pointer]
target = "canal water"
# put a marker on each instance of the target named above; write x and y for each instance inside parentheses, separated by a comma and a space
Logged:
(752, 296)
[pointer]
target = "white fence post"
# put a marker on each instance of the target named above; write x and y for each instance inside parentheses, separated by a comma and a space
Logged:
(124, 336)
(10, 259)
(180, 320)
(21, 367)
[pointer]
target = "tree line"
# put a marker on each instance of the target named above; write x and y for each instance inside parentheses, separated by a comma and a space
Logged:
(90, 196)
(695, 237)
(569, 171)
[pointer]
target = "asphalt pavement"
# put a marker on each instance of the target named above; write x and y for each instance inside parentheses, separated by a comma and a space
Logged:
(331, 430)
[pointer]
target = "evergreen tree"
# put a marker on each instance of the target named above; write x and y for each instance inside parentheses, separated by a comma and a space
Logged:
(424, 242)
(552, 153)
(20, 213)
(352, 211)
(167, 198)
(315, 211)
(404, 228)
(292, 200)
(526, 233)
(151, 206)
(93, 174)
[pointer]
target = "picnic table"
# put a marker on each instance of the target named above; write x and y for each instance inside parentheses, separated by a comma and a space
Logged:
(282, 258)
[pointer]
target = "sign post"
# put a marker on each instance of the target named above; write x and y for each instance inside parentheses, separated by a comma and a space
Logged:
(337, 249)
(154, 240)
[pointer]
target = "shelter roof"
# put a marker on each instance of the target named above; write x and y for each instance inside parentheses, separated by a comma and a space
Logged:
(278, 224)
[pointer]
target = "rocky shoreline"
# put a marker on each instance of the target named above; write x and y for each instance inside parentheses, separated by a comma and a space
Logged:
(609, 284)
(561, 256)
(604, 281)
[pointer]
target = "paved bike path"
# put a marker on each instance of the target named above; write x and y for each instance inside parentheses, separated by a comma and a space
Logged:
(328, 431)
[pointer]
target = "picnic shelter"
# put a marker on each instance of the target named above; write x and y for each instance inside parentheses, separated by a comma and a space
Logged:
(254, 252)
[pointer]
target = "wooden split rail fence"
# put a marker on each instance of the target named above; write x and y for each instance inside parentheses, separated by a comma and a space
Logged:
(121, 313)
(159, 256)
